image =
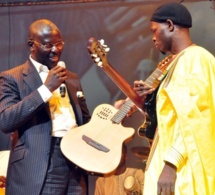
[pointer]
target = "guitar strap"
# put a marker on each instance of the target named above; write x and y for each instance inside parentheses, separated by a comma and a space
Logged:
(170, 58)
(171, 69)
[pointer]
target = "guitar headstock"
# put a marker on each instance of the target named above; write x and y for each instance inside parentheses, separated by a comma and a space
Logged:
(98, 51)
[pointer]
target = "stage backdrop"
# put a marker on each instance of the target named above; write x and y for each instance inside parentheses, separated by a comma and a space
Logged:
(124, 25)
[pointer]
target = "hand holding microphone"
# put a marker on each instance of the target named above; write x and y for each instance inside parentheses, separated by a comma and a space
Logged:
(56, 77)
(62, 86)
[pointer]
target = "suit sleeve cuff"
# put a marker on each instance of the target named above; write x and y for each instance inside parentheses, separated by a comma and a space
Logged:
(44, 93)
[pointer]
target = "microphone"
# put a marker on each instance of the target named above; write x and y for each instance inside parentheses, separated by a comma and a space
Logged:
(62, 86)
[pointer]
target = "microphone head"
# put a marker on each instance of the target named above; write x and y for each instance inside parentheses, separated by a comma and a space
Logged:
(62, 64)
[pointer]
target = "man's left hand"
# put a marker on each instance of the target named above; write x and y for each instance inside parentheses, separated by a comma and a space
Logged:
(166, 182)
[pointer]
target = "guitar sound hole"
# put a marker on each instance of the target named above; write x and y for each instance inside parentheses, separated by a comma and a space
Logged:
(105, 113)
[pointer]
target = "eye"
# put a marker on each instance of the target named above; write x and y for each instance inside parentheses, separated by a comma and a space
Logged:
(48, 45)
(59, 44)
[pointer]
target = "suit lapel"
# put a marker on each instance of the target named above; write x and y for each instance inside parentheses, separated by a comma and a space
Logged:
(71, 91)
(74, 100)
(31, 76)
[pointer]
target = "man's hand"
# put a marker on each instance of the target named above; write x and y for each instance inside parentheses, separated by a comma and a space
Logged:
(166, 182)
(55, 78)
(118, 104)
(143, 89)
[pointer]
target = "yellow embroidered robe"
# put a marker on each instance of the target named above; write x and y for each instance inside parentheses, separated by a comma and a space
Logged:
(186, 125)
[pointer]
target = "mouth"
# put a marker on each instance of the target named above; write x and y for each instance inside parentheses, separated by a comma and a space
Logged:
(54, 58)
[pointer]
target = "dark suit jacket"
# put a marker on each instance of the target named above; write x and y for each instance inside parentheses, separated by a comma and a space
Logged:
(22, 109)
(4, 141)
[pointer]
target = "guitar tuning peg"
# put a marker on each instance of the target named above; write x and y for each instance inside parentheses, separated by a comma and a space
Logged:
(94, 55)
(100, 63)
(101, 41)
(97, 59)
(107, 49)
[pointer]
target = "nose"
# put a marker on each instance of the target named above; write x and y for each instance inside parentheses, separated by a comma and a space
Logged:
(54, 48)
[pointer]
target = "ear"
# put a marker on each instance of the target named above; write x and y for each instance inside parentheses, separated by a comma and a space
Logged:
(170, 25)
(30, 44)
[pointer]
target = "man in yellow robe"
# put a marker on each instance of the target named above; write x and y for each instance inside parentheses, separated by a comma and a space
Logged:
(182, 157)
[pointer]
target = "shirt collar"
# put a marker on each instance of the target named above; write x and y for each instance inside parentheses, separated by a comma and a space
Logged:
(39, 67)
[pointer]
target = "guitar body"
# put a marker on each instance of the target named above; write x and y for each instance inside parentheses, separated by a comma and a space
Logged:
(102, 130)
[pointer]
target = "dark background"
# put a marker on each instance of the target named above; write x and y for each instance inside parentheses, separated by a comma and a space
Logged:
(124, 25)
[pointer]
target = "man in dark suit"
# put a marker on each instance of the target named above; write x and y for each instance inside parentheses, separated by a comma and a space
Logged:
(32, 106)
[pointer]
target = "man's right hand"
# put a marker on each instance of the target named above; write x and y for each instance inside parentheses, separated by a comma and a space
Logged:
(55, 78)
(143, 89)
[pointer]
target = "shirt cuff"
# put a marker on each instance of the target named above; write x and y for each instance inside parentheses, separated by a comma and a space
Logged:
(174, 157)
(44, 93)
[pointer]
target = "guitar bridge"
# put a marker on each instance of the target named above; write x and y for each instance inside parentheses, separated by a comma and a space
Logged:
(95, 144)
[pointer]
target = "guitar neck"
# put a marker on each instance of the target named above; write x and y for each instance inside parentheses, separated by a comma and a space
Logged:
(152, 79)
(159, 73)
(123, 85)
(123, 111)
